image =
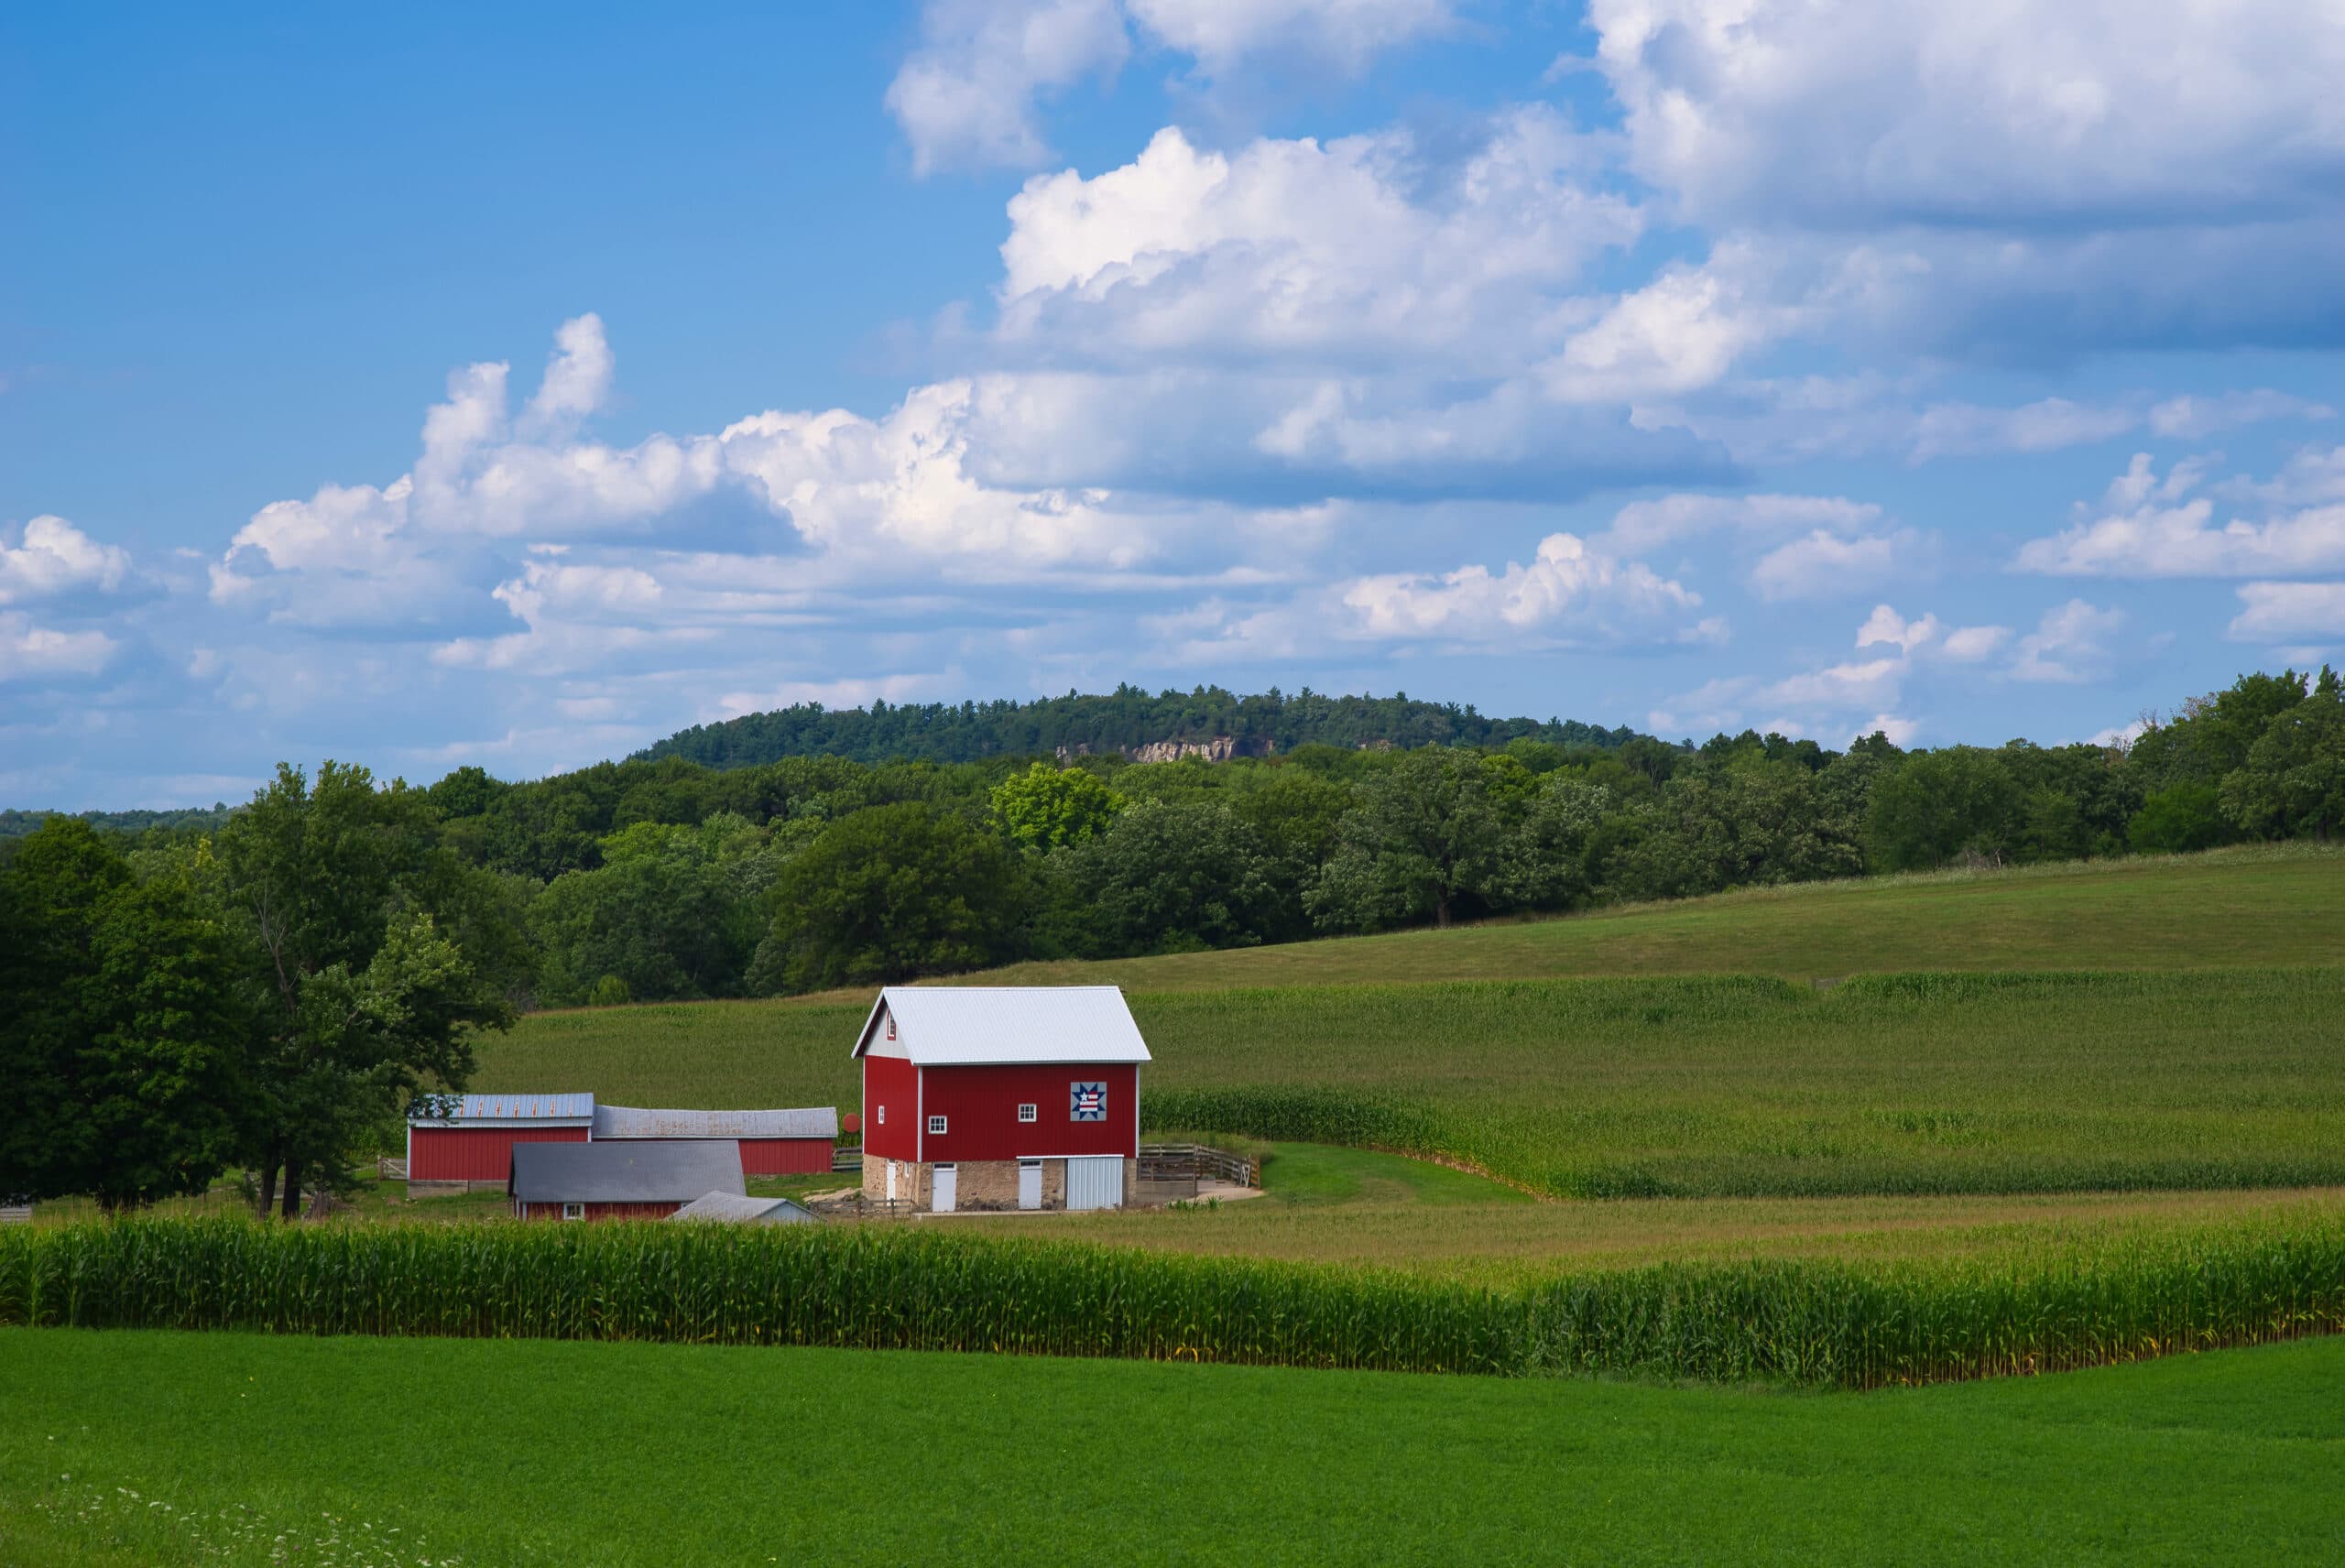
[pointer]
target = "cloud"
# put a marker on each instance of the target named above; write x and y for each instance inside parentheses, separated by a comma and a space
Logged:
(1841, 115)
(1680, 333)
(578, 376)
(53, 557)
(2151, 526)
(1824, 564)
(2071, 644)
(1566, 591)
(1928, 635)
(2281, 612)
(30, 651)
(1344, 34)
(1344, 253)
(968, 96)
(965, 97)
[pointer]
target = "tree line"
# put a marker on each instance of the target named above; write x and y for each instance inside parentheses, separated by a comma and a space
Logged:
(268, 992)
(1119, 722)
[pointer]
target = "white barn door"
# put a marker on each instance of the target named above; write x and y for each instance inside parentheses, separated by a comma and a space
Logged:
(1029, 1183)
(1095, 1181)
(944, 1183)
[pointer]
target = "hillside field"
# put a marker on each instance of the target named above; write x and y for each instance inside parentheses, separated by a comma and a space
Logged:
(154, 1448)
(1658, 1087)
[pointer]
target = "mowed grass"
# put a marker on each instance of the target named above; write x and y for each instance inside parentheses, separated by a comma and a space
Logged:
(157, 1448)
(1699, 1086)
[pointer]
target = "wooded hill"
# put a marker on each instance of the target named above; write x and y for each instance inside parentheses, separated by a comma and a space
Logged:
(1122, 722)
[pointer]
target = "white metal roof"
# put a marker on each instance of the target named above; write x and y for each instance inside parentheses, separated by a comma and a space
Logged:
(537, 1110)
(959, 1026)
(629, 1121)
(734, 1209)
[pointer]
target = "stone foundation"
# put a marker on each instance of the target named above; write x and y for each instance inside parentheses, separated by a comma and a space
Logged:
(985, 1186)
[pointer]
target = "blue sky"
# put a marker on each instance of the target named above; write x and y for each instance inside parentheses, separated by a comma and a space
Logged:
(517, 390)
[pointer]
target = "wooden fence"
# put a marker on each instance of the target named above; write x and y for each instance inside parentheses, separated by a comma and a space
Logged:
(1197, 1163)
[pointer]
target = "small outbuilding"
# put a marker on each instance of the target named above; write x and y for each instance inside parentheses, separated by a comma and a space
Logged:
(1001, 1097)
(725, 1208)
(456, 1142)
(644, 1181)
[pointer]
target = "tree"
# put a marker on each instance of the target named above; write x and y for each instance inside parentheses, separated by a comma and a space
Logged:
(118, 1034)
(890, 893)
(1171, 876)
(2179, 819)
(665, 915)
(357, 993)
(1046, 808)
(2293, 782)
(1938, 805)
(1425, 834)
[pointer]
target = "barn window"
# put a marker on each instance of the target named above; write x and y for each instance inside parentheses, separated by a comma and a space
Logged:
(1025, 1112)
(935, 1126)
(891, 1026)
(573, 1211)
(883, 1115)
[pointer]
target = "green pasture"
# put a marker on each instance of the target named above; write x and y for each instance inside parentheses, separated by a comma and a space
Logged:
(1714, 1086)
(159, 1449)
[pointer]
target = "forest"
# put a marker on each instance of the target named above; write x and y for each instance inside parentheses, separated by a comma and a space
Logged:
(1120, 722)
(257, 988)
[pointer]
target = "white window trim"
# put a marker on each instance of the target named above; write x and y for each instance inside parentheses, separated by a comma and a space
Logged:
(573, 1211)
(936, 1127)
(1028, 1113)
(883, 1115)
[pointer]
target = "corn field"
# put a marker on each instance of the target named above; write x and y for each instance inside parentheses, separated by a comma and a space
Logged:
(1816, 1322)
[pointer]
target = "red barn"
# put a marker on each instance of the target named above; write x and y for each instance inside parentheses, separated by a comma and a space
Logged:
(1001, 1097)
(465, 1141)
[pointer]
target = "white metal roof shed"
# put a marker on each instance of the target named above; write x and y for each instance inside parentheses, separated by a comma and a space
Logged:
(632, 1121)
(963, 1025)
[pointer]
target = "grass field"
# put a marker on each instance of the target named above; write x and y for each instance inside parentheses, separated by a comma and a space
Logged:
(2280, 904)
(159, 1449)
(1714, 1086)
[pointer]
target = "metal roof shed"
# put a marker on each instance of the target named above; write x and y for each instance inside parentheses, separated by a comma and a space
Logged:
(726, 1208)
(469, 1138)
(619, 1181)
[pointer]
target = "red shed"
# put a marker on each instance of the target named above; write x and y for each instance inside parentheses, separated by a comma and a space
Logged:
(466, 1140)
(999, 1097)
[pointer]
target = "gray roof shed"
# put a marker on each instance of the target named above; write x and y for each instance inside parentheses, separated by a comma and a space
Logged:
(624, 1172)
(728, 1208)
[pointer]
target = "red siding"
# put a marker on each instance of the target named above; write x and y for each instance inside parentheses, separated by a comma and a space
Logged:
(784, 1155)
(475, 1153)
(980, 1107)
(604, 1211)
(892, 1082)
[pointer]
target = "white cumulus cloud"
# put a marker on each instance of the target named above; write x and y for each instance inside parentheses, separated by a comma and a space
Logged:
(53, 557)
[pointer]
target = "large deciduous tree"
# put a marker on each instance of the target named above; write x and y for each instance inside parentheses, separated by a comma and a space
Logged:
(359, 994)
(890, 893)
(120, 1037)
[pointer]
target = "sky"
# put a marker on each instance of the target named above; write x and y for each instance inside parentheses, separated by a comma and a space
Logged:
(431, 387)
